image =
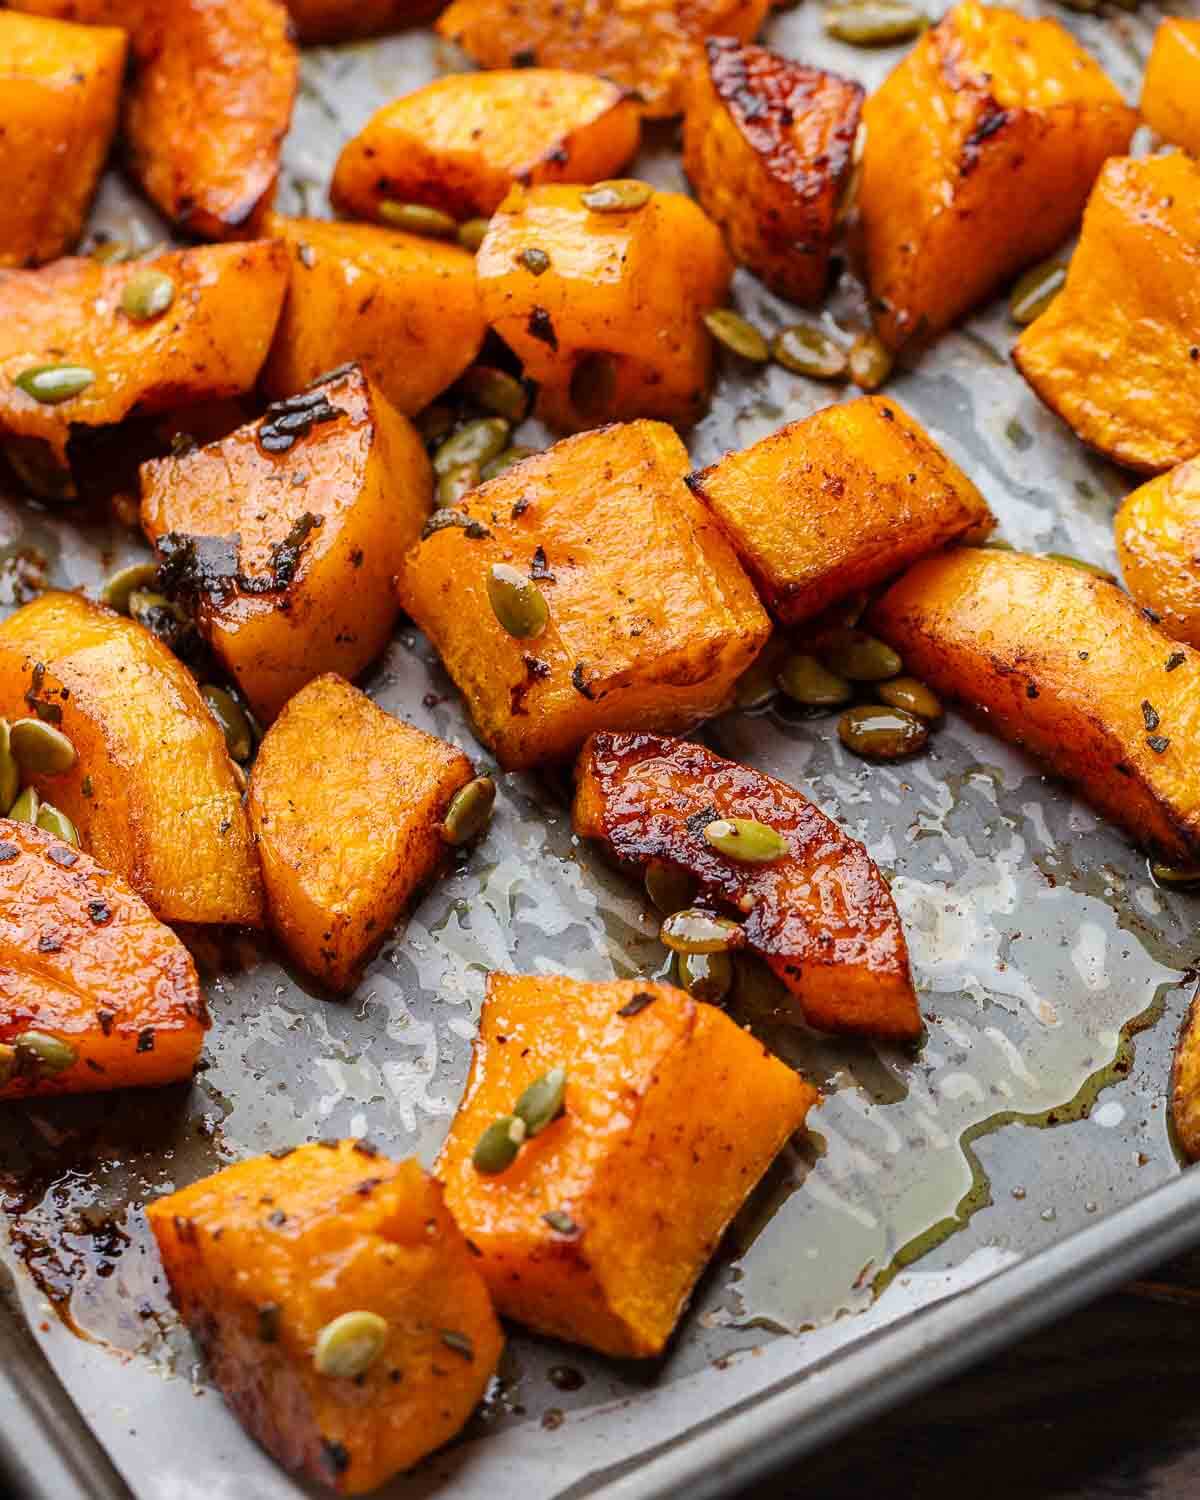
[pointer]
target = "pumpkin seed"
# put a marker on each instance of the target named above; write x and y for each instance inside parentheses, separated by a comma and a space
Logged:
(870, 362)
(497, 391)
(1176, 874)
(49, 1054)
(350, 1345)
(40, 749)
(912, 696)
(147, 295)
(229, 714)
(51, 384)
(8, 1064)
(518, 604)
(118, 587)
(862, 658)
(27, 806)
(111, 252)
(804, 680)
(756, 686)
(806, 349)
(471, 234)
(617, 197)
(594, 386)
(10, 772)
(1084, 567)
(733, 331)
(875, 23)
(456, 483)
(747, 841)
(418, 218)
(695, 931)
(470, 811)
(535, 261)
(669, 887)
(56, 823)
(473, 443)
(496, 466)
(497, 1147)
(706, 976)
(434, 422)
(542, 1102)
(1036, 290)
(878, 732)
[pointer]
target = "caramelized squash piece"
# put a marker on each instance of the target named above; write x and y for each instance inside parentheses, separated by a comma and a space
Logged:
(837, 502)
(61, 87)
(649, 617)
(649, 47)
(285, 536)
(1115, 353)
(1062, 662)
(1185, 1085)
(611, 328)
(600, 1228)
(982, 146)
(88, 969)
(1158, 542)
(768, 145)
(344, 20)
(1169, 101)
(153, 793)
(404, 307)
(347, 805)
(209, 343)
(128, 14)
(461, 143)
(822, 915)
(265, 1257)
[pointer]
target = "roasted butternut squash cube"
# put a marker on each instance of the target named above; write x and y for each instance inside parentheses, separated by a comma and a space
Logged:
(1115, 353)
(343, 20)
(599, 1229)
(95, 993)
(1065, 664)
(611, 329)
(1169, 103)
(340, 1311)
(152, 793)
(1158, 542)
(1185, 1085)
(461, 143)
(837, 502)
(649, 617)
(347, 805)
(982, 147)
(285, 536)
(769, 147)
(61, 86)
(404, 307)
(648, 48)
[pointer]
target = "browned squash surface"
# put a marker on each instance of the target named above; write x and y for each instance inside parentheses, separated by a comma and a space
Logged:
(344, 20)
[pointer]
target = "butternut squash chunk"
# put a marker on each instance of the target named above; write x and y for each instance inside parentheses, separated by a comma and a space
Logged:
(650, 619)
(1117, 353)
(346, 804)
(286, 537)
(153, 793)
(61, 86)
(648, 48)
(822, 916)
(611, 328)
(1062, 662)
(344, 20)
(768, 145)
(1185, 1084)
(130, 15)
(837, 502)
(404, 307)
(86, 966)
(982, 146)
(1169, 103)
(460, 144)
(265, 1256)
(1158, 542)
(600, 1228)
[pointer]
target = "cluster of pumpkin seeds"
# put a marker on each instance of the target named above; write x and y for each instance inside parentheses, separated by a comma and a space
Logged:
(804, 348)
(29, 748)
(470, 441)
(540, 1105)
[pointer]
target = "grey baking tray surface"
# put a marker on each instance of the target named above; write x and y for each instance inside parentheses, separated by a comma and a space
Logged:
(944, 1200)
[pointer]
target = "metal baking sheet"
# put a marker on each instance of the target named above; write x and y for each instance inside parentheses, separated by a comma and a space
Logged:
(944, 1200)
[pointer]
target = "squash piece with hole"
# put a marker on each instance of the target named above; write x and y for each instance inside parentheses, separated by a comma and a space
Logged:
(608, 318)
(981, 149)
(599, 1229)
(285, 536)
(153, 792)
(1065, 664)
(345, 20)
(769, 146)
(347, 806)
(265, 1256)
(86, 966)
(1169, 102)
(649, 617)
(461, 143)
(838, 502)
(61, 85)
(1158, 543)
(404, 307)
(822, 915)
(1117, 353)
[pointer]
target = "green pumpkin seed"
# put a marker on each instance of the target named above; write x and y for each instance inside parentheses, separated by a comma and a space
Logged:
(457, 482)
(27, 806)
(878, 732)
(470, 811)
(617, 197)
(434, 422)
(747, 841)
(861, 658)
(1036, 290)
(912, 696)
(119, 585)
(8, 1064)
(497, 1147)
(229, 714)
(473, 443)
(806, 349)
(518, 604)
(1078, 562)
(418, 218)
(40, 749)
(732, 331)
(471, 234)
(147, 295)
(51, 384)
(1183, 875)
(998, 544)
(497, 391)
(669, 887)
(10, 772)
(111, 252)
(535, 261)
(875, 23)
(695, 931)
(870, 362)
(706, 976)
(804, 680)
(496, 466)
(594, 386)
(542, 1102)
(350, 1345)
(48, 1054)
(56, 823)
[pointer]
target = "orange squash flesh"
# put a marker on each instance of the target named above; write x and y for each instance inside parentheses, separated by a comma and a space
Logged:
(265, 1254)
(1158, 542)
(822, 916)
(1185, 1085)
(1062, 662)
(83, 960)
(1169, 102)
(599, 1230)
(153, 793)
